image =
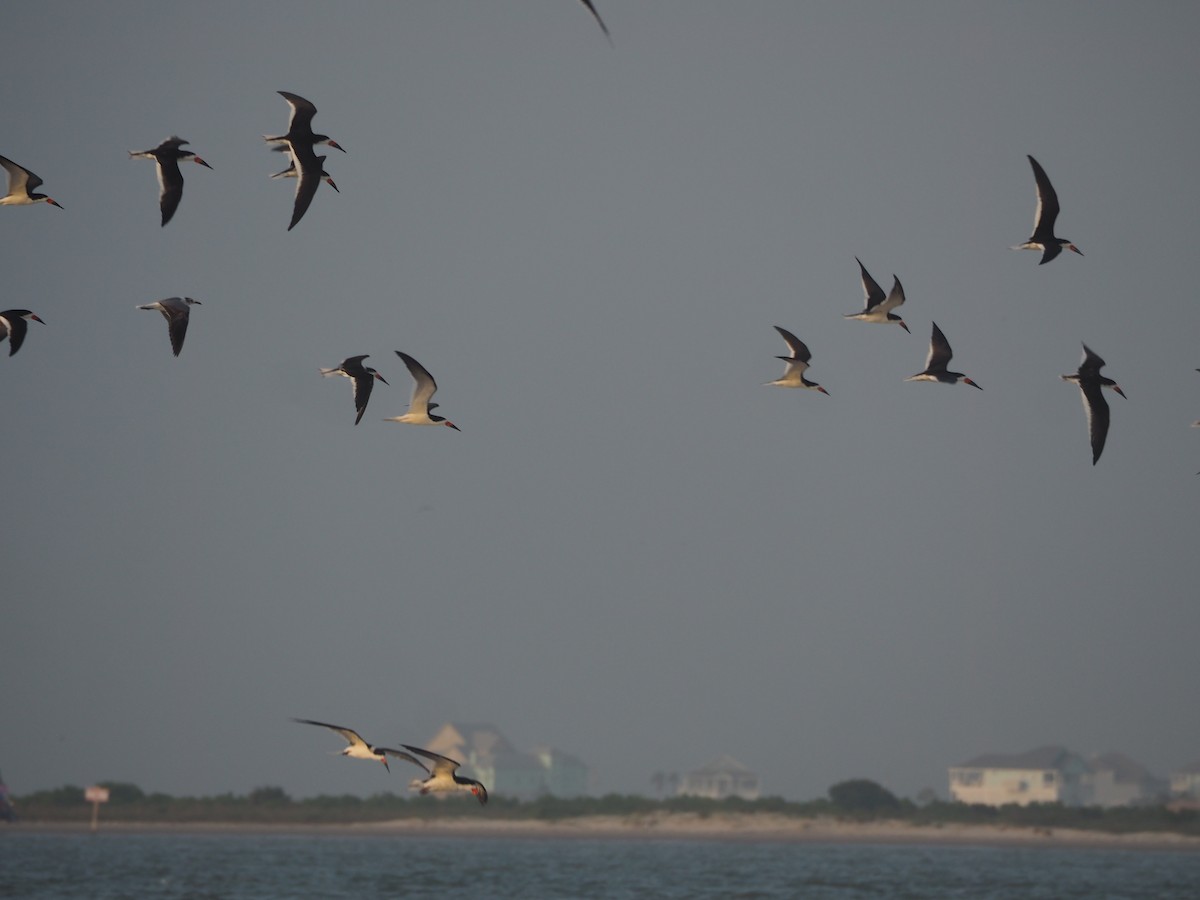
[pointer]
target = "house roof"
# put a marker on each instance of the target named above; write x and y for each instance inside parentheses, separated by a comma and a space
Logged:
(552, 756)
(723, 764)
(514, 761)
(479, 738)
(1124, 770)
(1051, 756)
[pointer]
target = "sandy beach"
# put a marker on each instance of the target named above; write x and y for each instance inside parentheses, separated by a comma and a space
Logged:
(680, 826)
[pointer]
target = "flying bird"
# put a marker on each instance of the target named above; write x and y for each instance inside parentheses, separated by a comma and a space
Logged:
(170, 180)
(1043, 220)
(176, 310)
(419, 407)
(13, 325)
(444, 778)
(599, 21)
(363, 378)
(797, 364)
(935, 364)
(312, 172)
(300, 126)
(1091, 384)
(20, 184)
(357, 748)
(291, 172)
(878, 306)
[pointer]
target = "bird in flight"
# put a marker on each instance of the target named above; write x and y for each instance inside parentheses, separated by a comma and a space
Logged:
(444, 777)
(14, 325)
(21, 184)
(1043, 220)
(363, 378)
(170, 180)
(420, 409)
(177, 311)
(939, 358)
(878, 305)
(357, 748)
(1091, 384)
(797, 364)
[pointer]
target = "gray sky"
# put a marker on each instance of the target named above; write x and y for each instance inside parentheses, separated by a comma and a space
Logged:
(633, 551)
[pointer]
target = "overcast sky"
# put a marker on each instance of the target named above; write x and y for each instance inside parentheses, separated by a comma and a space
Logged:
(633, 551)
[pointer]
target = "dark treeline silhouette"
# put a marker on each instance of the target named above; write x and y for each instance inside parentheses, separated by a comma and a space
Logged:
(858, 799)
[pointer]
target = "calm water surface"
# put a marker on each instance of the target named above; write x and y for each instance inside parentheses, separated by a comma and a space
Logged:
(235, 866)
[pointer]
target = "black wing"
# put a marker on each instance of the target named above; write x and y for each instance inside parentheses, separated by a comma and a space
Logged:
(17, 328)
(1047, 211)
(939, 350)
(170, 183)
(1097, 415)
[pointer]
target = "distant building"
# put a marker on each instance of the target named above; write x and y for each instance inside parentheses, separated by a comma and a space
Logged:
(1185, 782)
(721, 778)
(1045, 775)
(1113, 779)
(488, 756)
(566, 775)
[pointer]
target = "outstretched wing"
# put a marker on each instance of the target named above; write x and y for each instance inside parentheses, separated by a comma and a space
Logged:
(352, 737)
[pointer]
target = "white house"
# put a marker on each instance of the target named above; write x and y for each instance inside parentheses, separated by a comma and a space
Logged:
(1113, 779)
(1185, 782)
(1044, 775)
(721, 778)
(487, 755)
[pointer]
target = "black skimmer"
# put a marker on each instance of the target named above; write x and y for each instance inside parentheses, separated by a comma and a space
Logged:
(444, 778)
(1091, 384)
(363, 378)
(312, 172)
(599, 21)
(176, 311)
(1043, 220)
(879, 307)
(419, 407)
(170, 180)
(20, 184)
(300, 126)
(290, 171)
(935, 364)
(13, 326)
(797, 364)
(357, 748)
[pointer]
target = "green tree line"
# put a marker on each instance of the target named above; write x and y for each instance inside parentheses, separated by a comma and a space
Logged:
(857, 799)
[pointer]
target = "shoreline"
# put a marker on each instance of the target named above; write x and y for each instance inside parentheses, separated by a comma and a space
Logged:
(739, 827)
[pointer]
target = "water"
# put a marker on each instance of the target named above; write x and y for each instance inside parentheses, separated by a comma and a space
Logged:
(264, 867)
